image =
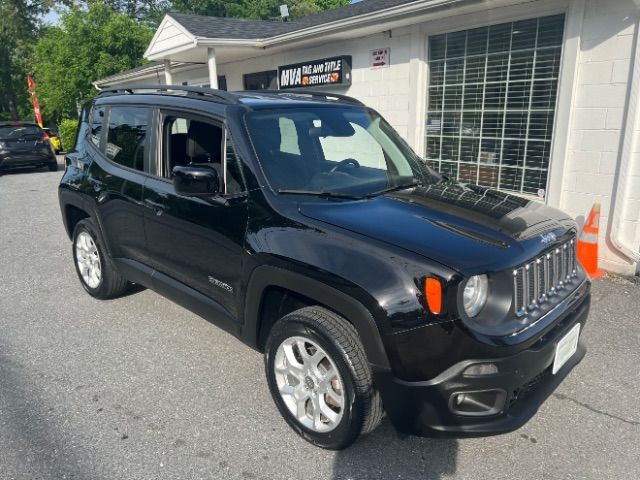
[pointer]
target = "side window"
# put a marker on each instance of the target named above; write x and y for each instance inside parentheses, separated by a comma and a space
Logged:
(126, 136)
(194, 142)
(288, 136)
(361, 146)
(96, 120)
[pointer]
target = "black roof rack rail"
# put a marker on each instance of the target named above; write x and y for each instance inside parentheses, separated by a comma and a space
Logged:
(205, 92)
(306, 93)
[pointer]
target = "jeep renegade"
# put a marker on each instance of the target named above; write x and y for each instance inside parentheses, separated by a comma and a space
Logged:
(305, 226)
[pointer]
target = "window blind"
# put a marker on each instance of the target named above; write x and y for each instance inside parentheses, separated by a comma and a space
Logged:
(491, 103)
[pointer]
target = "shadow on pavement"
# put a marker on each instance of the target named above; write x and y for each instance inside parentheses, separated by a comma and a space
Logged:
(132, 289)
(27, 433)
(384, 455)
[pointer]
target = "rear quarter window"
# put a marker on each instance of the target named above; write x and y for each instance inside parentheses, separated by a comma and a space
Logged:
(96, 121)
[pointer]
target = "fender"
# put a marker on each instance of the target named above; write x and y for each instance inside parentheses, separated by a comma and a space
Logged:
(66, 197)
(268, 276)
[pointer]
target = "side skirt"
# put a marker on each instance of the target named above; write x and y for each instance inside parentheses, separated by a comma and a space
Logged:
(179, 293)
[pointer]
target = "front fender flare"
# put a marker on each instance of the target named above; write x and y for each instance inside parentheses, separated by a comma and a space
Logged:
(268, 276)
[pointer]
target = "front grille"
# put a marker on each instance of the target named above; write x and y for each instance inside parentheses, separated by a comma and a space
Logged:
(540, 280)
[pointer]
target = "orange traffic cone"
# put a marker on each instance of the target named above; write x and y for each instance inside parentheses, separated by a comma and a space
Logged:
(588, 243)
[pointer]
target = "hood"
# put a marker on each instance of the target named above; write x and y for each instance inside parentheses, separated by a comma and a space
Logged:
(465, 227)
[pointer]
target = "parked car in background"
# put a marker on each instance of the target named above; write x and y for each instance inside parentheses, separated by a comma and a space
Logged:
(304, 225)
(54, 139)
(25, 144)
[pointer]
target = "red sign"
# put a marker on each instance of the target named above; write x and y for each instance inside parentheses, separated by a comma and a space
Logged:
(31, 85)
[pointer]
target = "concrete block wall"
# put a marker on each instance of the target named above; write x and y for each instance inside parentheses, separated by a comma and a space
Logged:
(385, 89)
(596, 130)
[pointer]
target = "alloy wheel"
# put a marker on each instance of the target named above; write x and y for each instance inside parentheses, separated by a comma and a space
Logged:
(309, 384)
(88, 260)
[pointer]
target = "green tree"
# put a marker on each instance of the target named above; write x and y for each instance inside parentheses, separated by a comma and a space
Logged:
(149, 11)
(89, 44)
(19, 26)
(256, 9)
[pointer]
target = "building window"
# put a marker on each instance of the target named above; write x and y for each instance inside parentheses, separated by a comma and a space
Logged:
(222, 83)
(492, 96)
(261, 80)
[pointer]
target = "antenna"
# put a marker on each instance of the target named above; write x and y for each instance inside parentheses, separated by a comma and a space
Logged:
(284, 12)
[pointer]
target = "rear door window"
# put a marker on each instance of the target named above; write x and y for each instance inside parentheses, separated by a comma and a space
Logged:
(127, 136)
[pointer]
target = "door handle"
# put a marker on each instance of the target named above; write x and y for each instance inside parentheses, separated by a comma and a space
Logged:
(156, 206)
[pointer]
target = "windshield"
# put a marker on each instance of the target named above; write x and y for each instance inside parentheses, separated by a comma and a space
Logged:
(350, 151)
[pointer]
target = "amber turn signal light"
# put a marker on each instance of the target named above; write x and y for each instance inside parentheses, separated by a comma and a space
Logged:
(433, 292)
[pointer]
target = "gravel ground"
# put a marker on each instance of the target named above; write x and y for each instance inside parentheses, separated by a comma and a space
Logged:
(139, 388)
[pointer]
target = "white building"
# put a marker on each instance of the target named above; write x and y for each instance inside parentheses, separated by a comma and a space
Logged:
(539, 97)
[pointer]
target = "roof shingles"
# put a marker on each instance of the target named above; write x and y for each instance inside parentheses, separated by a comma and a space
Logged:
(237, 28)
(245, 29)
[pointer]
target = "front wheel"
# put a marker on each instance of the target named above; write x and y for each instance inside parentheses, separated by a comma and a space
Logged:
(320, 379)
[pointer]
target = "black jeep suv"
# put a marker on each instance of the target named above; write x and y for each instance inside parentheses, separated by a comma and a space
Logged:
(305, 226)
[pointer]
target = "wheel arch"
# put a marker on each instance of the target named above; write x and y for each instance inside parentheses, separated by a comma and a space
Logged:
(73, 215)
(308, 291)
(73, 208)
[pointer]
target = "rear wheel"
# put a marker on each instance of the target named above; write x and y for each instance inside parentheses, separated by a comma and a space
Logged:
(320, 379)
(53, 167)
(94, 268)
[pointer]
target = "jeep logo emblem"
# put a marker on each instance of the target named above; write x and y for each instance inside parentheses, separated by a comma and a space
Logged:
(548, 238)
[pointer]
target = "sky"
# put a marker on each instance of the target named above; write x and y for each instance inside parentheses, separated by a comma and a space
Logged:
(52, 17)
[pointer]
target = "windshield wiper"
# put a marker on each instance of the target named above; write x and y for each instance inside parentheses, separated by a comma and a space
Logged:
(393, 189)
(320, 193)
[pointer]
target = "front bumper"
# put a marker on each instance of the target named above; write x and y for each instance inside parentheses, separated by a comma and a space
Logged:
(426, 408)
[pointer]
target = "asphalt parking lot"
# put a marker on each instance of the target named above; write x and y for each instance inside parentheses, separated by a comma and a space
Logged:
(139, 388)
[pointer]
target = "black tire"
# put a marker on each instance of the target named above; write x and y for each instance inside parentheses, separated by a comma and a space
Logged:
(338, 338)
(53, 167)
(112, 284)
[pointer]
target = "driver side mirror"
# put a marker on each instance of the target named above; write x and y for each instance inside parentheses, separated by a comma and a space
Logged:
(195, 181)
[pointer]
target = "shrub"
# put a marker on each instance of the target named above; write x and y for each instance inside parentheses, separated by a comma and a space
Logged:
(67, 130)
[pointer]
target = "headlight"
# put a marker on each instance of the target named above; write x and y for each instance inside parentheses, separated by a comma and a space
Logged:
(475, 294)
